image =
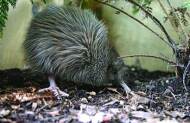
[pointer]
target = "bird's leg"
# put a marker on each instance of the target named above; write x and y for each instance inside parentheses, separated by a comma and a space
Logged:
(120, 76)
(125, 87)
(121, 69)
(54, 88)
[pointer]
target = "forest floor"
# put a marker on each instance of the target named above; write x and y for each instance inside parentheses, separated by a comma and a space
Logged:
(158, 97)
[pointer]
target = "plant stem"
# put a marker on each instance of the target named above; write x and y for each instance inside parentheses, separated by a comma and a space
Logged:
(158, 23)
(180, 24)
(120, 10)
(185, 74)
(150, 56)
(81, 2)
(169, 17)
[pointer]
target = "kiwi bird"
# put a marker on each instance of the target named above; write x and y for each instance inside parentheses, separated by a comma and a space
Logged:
(70, 43)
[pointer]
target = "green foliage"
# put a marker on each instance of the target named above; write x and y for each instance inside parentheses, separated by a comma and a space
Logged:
(186, 5)
(143, 3)
(4, 7)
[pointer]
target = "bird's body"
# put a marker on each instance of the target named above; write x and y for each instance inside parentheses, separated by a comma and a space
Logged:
(70, 43)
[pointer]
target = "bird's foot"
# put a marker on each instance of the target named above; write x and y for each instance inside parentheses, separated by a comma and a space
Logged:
(56, 92)
(126, 87)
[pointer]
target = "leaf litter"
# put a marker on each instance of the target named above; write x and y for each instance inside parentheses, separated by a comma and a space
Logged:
(157, 97)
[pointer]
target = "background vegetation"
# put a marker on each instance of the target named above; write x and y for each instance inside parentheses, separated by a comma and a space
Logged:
(126, 35)
(4, 8)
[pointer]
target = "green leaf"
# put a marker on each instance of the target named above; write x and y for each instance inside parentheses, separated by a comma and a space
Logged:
(12, 2)
(135, 10)
(4, 8)
(186, 5)
(144, 3)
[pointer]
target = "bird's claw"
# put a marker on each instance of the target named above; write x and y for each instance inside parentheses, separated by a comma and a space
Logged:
(56, 92)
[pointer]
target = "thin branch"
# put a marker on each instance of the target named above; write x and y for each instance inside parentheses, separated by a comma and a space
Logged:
(81, 2)
(120, 10)
(188, 14)
(169, 17)
(150, 56)
(178, 65)
(157, 22)
(185, 74)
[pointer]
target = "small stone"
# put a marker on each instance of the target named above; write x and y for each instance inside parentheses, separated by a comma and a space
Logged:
(84, 100)
(140, 106)
(137, 82)
(121, 102)
(167, 81)
(15, 107)
(84, 118)
(92, 93)
(133, 69)
(4, 112)
(89, 97)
